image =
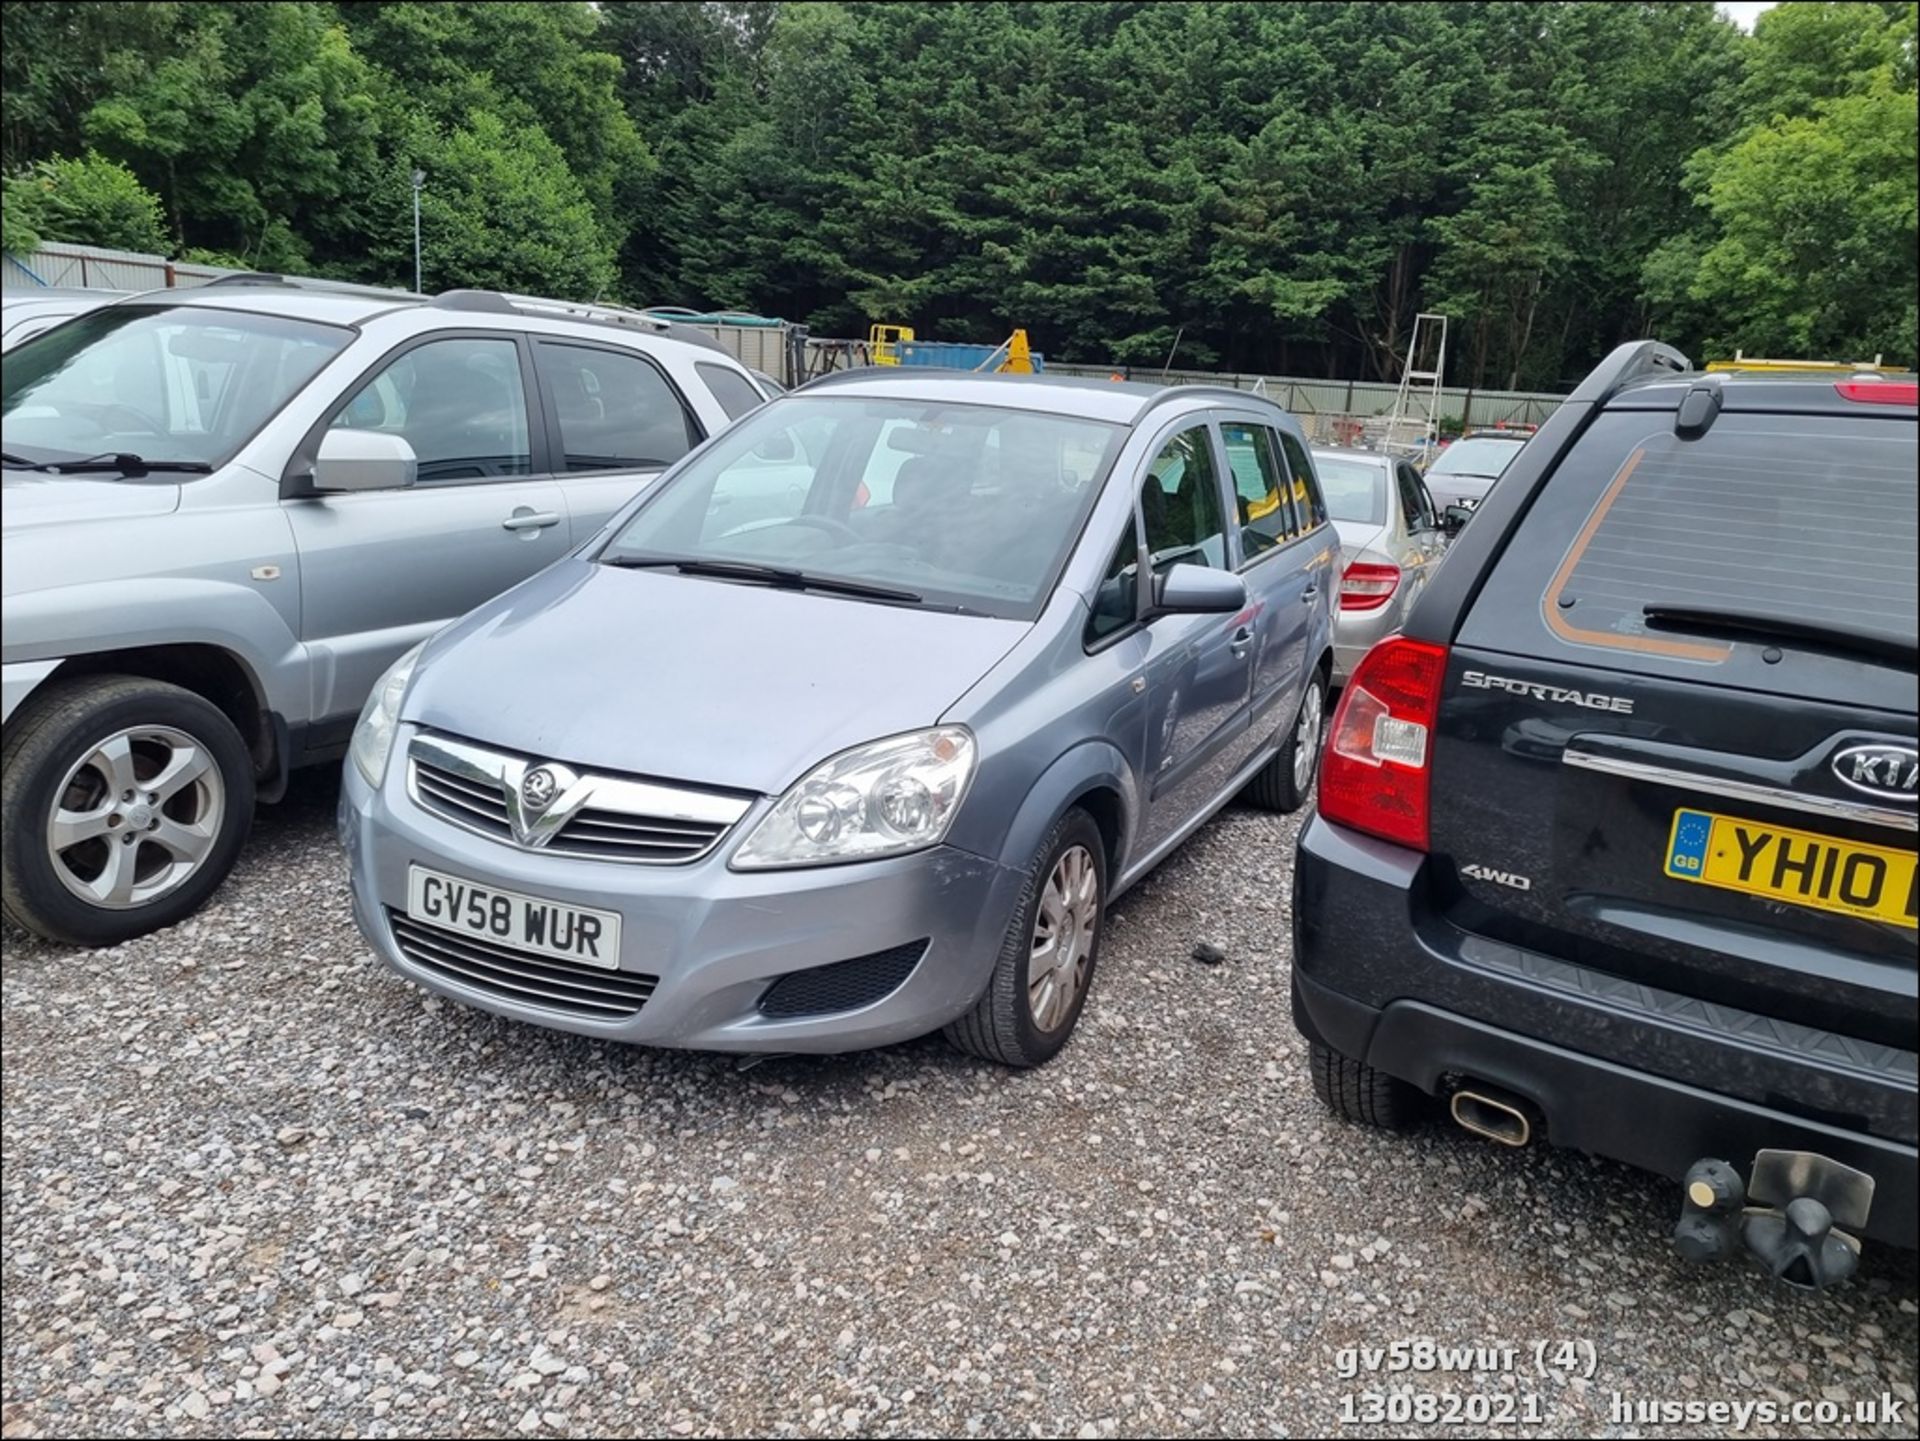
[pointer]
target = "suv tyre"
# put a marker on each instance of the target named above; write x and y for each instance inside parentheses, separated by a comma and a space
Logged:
(123, 806)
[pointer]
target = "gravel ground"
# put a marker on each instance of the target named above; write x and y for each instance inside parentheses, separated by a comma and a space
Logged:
(257, 1185)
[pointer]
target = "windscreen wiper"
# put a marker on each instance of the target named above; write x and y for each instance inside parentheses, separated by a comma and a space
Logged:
(121, 461)
(783, 577)
(1880, 645)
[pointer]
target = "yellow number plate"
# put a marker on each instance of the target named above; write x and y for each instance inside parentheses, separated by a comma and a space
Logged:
(1798, 867)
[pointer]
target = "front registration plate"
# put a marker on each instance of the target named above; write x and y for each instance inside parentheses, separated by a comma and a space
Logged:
(1798, 867)
(508, 918)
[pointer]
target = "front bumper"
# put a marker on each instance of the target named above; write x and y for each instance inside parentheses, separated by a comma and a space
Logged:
(1625, 1071)
(715, 938)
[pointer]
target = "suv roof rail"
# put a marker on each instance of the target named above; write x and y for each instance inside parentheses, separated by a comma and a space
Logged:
(501, 302)
(1625, 364)
(300, 282)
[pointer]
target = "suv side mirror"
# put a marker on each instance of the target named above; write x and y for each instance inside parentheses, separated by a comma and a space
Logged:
(1197, 590)
(1454, 517)
(363, 460)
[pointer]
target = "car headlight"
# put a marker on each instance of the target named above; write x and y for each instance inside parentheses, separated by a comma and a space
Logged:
(373, 735)
(882, 799)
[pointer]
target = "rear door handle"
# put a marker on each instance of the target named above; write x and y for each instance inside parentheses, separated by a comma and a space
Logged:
(1309, 593)
(1241, 641)
(531, 520)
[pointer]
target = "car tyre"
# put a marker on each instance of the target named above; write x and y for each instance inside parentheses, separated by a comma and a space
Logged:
(1045, 967)
(1356, 1092)
(123, 804)
(1284, 783)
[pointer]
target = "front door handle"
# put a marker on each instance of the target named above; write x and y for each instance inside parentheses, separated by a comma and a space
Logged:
(1309, 593)
(525, 519)
(1241, 641)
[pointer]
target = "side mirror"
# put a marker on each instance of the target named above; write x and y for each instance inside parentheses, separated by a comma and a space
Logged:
(1454, 517)
(1198, 590)
(778, 448)
(363, 460)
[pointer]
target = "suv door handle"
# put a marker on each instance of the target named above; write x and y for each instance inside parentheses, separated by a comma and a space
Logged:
(1241, 641)
(530, 520)
(1309, 593)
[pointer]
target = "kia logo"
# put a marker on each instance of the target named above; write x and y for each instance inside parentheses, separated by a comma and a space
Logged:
(1885, 771)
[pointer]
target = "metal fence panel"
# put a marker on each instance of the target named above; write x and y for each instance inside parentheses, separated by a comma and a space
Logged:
(93, 267)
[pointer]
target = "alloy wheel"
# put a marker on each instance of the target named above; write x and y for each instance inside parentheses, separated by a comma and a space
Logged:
(135, 817)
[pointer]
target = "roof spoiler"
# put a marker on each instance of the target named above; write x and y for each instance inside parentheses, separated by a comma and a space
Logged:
(1625, 364)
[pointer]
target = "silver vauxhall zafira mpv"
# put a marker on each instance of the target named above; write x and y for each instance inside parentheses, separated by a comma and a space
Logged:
(853, 725)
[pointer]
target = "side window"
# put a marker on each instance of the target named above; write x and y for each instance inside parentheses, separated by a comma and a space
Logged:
(1306, 486)
(1180, 504)
(458, 402)
(1116, 602)
(1413, 498)
(1260, 488)
(732, 389)
(614, 409)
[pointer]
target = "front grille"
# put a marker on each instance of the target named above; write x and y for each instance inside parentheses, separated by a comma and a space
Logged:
(622, 819)
(843, 985)
(479, 804)
(510, 974)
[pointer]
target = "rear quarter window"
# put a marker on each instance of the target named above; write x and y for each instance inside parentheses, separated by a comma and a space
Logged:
(1808, 518)
(736, 394)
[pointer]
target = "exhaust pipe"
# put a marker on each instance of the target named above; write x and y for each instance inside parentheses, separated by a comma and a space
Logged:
(1495, 1115)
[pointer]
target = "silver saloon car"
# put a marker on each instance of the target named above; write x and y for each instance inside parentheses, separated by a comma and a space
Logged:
(1391, 539)
(836, 763)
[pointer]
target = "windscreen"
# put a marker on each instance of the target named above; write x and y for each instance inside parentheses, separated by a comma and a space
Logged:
(1486, 455)
(167, 383)
(968, 504)
(1816, 525)
(1356, 490)
(1800, 528)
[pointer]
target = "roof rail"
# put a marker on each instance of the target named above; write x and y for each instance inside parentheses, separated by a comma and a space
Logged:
(301, 282)
(500, 302)
(1636, 360)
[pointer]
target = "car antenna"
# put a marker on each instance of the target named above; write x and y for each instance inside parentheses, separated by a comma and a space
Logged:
(1167, 369)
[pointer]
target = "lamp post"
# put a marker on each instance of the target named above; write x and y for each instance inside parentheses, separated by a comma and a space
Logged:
(419, 179)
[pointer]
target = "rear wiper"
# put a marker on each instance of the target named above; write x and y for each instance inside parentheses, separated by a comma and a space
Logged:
(775, 575)
(1878, 644)
(119, 460)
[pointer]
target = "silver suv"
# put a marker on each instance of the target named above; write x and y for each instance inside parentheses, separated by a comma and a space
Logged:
(229, 509)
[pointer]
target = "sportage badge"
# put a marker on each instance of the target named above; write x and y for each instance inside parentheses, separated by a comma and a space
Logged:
(1879, 770)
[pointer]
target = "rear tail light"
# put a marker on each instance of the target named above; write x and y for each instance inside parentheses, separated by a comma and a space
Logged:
(1368, 587)
(1880, 392)
(1380, 748)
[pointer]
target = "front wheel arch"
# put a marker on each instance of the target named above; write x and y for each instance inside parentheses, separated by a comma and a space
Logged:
(211, 672)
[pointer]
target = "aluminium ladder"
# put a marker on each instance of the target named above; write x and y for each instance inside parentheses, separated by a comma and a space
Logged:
(1414, 427)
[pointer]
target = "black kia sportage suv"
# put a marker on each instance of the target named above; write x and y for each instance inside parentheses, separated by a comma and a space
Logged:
(1617, 839)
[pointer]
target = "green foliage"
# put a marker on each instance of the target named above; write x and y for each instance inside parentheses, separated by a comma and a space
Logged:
(1256, 186)
(17, 233)
(1805, 244)
(87, 201)
(500, 211)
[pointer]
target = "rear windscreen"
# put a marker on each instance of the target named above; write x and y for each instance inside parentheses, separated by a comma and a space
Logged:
(1816, 527)
(1807, 519)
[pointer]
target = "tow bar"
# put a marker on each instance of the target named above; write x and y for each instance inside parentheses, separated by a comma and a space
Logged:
(1790, 1218)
